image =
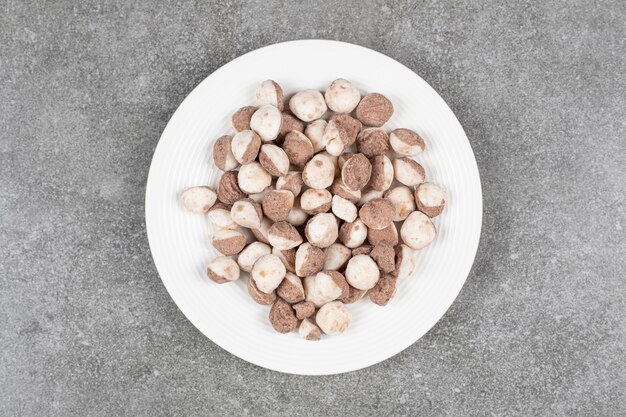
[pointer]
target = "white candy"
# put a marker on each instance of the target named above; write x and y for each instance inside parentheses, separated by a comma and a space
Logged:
(198, 199)
(353, 234)
(319, 172)
(327, 287)
(268, 272)
(308, 105)
(283, 236)
(418, 231)
(308, 330)
(315, 132)
(245, 146)
(315, 201)
(332, 139)
(362, 272)
(269, 92)
(407, 262)
(322, 230)
(296, 215)
(251, 254)
(252, 178)
(266, 121)
(336, 256)
(223, 269)
(408, 172)
(341, 96)
(403, 202)
(320, 289)
(333, 318)
(344, 209)
(245, 213)
(275, 158)
(221, 219)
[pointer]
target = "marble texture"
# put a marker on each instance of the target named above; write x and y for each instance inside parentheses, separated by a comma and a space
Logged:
(89, 330)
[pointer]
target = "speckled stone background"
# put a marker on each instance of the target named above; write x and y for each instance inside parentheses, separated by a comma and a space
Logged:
(87, 328)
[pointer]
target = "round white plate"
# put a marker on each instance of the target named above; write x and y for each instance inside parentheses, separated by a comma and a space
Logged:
(180, 242)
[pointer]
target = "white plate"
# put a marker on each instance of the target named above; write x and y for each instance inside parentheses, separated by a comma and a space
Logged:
(180, 242)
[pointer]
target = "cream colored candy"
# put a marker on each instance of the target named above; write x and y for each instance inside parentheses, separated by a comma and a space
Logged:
(198, 199)
(283, 236)
(308, 105)
(219, 216)
(223, 155)
(251, 254)
(247, 213)
(228, 242)
(274, 160)
(362, 272)
(408, 171)
(402, 199)
(266, 121)
(292, 181)
(315, 132)
(333, 318)
(309, 260)
(324, 287)
(406, 142)
(322, 230)
(331, 285)
(314, 201)
(344, 209)
(353, 234)
(405, 262)
(309, 331)
(319, 172)
(341, 96)
(245, 146)
(418, 231)
(223, 269)
(430, 198)
(269, 92)
(297, 216)
(268, 272)
(334, 139)
(336, 257)
(253, 178)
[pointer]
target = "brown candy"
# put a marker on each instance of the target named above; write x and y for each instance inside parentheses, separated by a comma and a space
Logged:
(377, 213)
(282, 317)
(356, 172)
(228, 191)
(374, 110)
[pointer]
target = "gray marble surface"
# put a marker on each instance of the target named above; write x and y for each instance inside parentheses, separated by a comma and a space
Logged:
(88, 329)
